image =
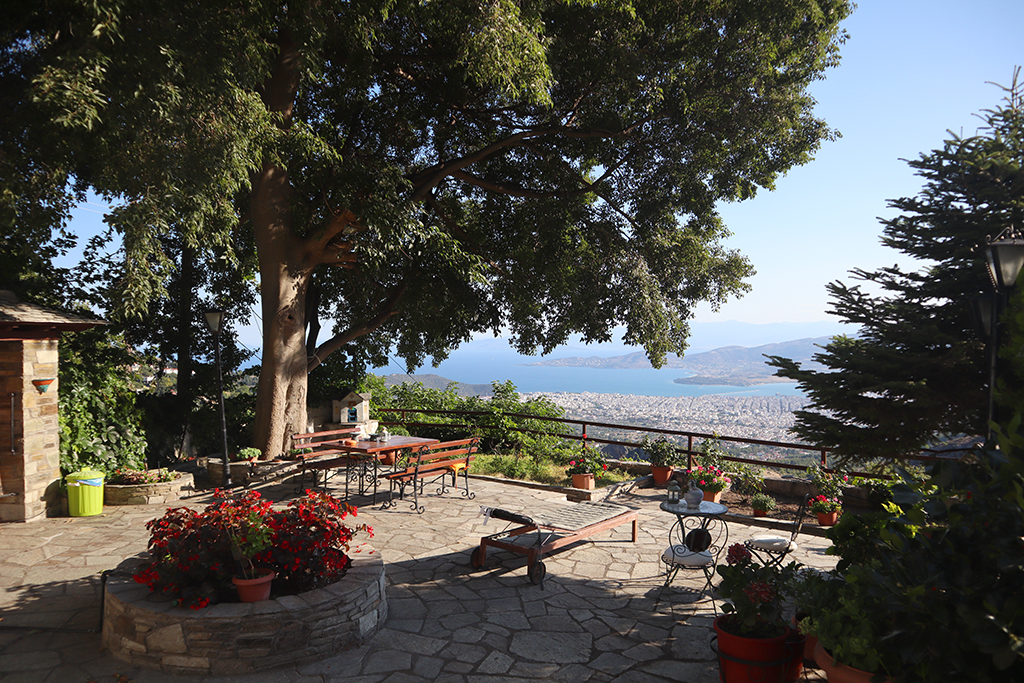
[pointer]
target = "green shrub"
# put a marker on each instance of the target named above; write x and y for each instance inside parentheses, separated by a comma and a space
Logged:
(712, 454)
(498, 432)
(100, 423)
(747, 480)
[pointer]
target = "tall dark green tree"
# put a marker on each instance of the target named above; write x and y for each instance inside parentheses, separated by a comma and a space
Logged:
(422, 171)
(918, 368)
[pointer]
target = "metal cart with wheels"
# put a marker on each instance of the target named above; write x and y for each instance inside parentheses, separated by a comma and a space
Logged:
(554, 530)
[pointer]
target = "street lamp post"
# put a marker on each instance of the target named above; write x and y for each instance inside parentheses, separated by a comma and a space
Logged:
(1005, 258)
(215, 321)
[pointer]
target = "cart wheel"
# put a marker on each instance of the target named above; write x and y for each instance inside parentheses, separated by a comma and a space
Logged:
(476, 559)
(537, 572)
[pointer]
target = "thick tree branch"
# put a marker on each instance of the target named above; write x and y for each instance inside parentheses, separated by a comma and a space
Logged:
(388, 309)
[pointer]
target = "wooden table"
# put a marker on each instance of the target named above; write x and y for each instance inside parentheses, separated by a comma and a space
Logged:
(363, 458)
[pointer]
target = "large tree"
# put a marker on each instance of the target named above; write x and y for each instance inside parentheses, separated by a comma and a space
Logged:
(917, 371)
(419, 172)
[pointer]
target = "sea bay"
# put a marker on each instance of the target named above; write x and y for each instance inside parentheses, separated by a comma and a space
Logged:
(499, 365)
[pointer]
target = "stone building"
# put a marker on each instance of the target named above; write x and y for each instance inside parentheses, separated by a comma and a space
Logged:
(29, 431)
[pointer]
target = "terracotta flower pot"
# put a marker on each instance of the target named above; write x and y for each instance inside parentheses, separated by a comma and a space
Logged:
(760, 513)
(809, 643)
(254, 590)
(796, 642)
(840, 673)
(661, 474)
(750, 660)
(827, 518)
(583, 481)
(714, 497)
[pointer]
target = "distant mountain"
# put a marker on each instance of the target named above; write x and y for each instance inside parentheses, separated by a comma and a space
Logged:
(738, 363)
(438, 382)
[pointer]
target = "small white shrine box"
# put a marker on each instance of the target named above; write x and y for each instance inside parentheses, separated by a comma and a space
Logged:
(353, 409)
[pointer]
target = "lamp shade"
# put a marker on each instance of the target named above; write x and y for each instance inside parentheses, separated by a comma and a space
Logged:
(981, 313)
(1005, 260)
(214, 320)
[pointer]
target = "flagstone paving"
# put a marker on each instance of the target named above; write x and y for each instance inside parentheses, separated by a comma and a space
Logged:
(600, 616)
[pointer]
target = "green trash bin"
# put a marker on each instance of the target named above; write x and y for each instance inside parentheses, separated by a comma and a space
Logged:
(85, 493)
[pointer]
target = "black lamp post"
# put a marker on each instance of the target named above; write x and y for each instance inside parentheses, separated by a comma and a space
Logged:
(1005, 258)
(215, 321)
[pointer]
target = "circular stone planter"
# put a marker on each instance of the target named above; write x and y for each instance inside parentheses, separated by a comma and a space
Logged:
(148, 494)
(238, 638)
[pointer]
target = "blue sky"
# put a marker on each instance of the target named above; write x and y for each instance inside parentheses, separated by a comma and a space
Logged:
(910, 71)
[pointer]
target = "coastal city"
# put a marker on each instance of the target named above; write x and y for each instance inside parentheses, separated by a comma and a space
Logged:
(753, 417)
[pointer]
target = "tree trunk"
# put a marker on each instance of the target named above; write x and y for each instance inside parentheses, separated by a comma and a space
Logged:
(284, 279)
(285, 268)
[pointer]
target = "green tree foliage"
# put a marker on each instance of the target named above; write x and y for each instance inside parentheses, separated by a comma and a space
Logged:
(504, 423)
(422, 171)
(100, 424)
(917, 369)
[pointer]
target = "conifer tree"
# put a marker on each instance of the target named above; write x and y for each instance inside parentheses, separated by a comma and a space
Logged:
(918, 368)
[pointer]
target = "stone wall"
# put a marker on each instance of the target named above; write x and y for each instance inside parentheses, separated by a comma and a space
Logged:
(239, 638)
(157, 493)
(29, 445)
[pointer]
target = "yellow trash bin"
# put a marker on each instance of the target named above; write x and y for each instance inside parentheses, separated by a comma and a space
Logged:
(85, 493)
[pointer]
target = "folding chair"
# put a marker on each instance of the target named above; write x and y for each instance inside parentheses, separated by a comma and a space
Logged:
(771, 549)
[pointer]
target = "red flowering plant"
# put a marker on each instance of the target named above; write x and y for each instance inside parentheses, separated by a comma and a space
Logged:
(311, 542)
(825, 504)
(590, 461)
(755, 593)
(195, 554)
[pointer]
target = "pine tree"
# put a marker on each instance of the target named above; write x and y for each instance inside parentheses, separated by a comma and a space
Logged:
(918, 368)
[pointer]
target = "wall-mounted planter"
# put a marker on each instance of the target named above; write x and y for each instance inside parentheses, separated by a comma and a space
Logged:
(43, 384)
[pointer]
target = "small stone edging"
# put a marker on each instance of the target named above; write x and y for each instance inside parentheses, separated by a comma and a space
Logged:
(240, 638)
(156, 493)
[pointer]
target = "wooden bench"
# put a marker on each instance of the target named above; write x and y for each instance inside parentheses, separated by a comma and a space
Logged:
(435, 463)
(312, 441)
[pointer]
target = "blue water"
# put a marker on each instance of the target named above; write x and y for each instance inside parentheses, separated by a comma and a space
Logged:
(500, 365)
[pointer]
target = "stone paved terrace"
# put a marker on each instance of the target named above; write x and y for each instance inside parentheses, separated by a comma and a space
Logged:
(598, 618)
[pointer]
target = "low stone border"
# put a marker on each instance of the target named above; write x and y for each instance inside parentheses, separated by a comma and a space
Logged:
(245, 472)
(240, 638)
(157, 493)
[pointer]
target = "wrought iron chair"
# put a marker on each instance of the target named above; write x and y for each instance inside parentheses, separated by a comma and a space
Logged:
(772, 549)
(694, 545)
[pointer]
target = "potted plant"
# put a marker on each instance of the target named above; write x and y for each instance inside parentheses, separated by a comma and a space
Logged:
(711, 480)
(829, 486)
(751, 634)
(250, 536)
(248, 454)
(584, 468)
(762, 504)
(848, 624)
(827, 509)
(664, 456)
